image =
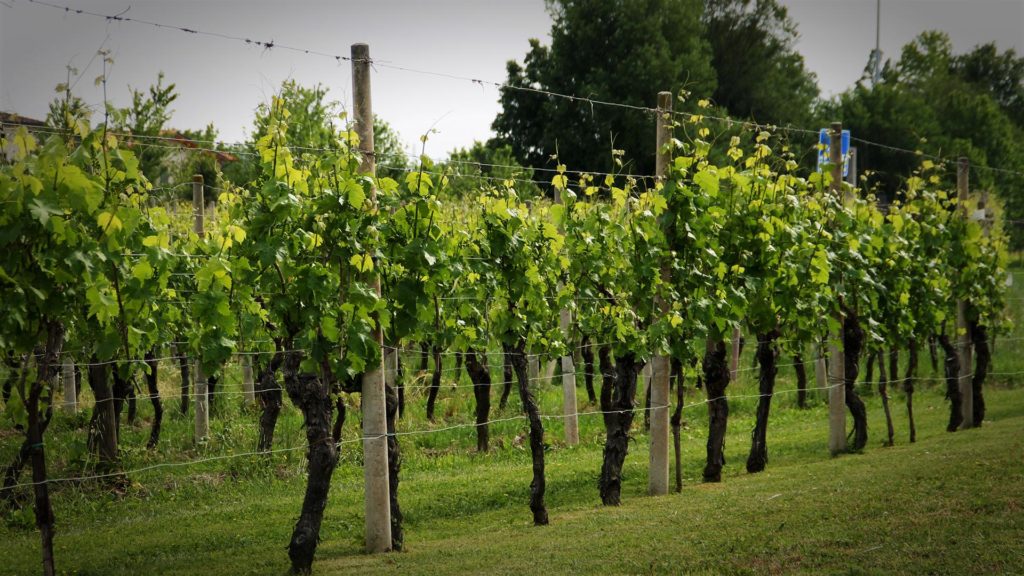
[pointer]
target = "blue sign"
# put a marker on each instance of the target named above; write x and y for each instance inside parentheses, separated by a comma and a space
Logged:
(824, 141)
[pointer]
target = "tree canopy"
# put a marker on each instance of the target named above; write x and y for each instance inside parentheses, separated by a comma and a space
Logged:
(621, 51)
(760, 74)
(943, 104)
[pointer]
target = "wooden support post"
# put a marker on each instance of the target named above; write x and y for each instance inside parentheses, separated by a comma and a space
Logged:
(963, 336)
(571, 422)
(658, 465)
(198, 207)
(248, 385)
(571, 419)
(851, 176)
(391, 367)
(375, 447)
(836, 364)
(70, 393)
(201, 402)
(201, 399)
(820, 370)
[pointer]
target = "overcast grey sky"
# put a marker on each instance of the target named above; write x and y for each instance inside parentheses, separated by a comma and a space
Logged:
(222, 81)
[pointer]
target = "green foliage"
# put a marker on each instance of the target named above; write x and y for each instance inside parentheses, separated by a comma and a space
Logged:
(494, 162)
(760, 74)
(308, 273)
(605, 50)
(148, 116)
(946, 105)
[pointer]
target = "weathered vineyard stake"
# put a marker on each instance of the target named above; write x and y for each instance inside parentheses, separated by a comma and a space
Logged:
(571, 421)
(836, 363)
(202, 400)
(963, 333)
(70, 397)
(657, 480)
(375, 447)
(248, 386)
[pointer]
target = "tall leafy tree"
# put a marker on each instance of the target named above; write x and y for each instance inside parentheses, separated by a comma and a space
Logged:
(147, 116)
(760, 74)
(624, 51)
(313, 124)
(942, 104)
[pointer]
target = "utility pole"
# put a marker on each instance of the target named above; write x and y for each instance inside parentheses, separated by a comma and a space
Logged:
(876, 54)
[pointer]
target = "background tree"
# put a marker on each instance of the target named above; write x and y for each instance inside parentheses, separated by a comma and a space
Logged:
(622, 51)
(492, 161)
(942, 104)
(313, 125)
(147, 116)
(760, 74)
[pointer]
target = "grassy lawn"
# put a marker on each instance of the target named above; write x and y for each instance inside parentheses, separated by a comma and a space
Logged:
(951, 503)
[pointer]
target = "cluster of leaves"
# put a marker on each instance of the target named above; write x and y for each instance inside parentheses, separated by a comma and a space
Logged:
(306, 248)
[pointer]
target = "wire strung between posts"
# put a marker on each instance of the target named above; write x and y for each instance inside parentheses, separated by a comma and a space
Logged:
(139, 140)
(638, 409)
(939, 159)
(265, 44)
(271, 44)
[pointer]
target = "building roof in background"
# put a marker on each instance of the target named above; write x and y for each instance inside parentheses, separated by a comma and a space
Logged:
(168, 135)
(185, 142)
(12, 118)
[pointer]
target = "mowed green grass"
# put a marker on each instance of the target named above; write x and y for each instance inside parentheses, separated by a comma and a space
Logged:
(951, 503)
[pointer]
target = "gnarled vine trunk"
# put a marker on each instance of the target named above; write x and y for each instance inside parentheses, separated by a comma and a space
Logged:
(400, 384)
(677, 421)
(951, 365)
(587, 351)
(618, 389)
(506, 374)
(982, 361)
(801, 380)
(186, 378)
(767, 358)
(122, 387)
(268, 394)
(883, 391)
(908, 386)
(103, 425)
(537, 486)
(894, 364)
(435, 383)
(313, 398)
(481, 378)
(853, 341)
(154, 398)
(716, 379)
(394, 467)
(37, 424)
(933, 352)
